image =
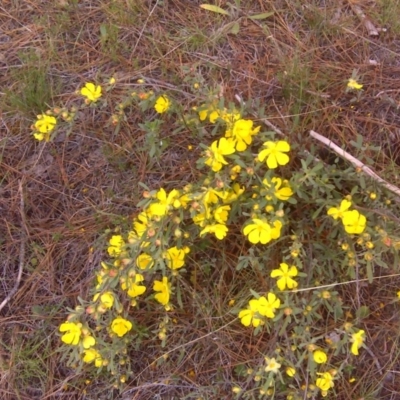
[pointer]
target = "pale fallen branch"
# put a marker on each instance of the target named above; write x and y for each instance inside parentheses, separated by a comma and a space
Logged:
(21, 250)
(369, 26)
(357, 163)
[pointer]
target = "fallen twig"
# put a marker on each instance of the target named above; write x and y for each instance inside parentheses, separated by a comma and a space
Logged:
(357, 163)
(21, 249)
(370, 27)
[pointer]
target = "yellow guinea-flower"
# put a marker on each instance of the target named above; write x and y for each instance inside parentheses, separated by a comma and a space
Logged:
(285, 276)
(144, 261)
(106, 299)
(261, 231)
(176, 257)
(45, 123)
(353, 84)
(163, 103)
(325, 382)
(337, 212)
(164, 290)
(216, 152)
(263, 306)
(121, 326)
(241, 132)
(91, 355)
(354, 222)
(44, 126)
(320, 357)
(133, 287)
(91, 92)
(274, 152)
(72, 333)
(357, 339)
(116, 246)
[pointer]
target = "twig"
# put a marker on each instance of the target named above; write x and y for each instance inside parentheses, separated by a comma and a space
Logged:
(21, 250)
(143, 28)
(372, 31)
(356, 163)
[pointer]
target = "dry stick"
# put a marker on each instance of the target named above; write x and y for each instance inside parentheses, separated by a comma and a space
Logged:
(21, 250)
(356, 163)
(143, 28)
(372, 31)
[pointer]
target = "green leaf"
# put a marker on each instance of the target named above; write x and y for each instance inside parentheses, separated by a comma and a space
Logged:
(235, 28)
(362, 312)
(215, 9)
(255, 294)
(103, 32)
(370, 274)
(262, 16)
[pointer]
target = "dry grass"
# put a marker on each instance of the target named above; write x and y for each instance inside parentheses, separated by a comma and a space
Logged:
(294, 64)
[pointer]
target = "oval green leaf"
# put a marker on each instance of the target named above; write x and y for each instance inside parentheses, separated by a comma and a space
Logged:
(215, 9)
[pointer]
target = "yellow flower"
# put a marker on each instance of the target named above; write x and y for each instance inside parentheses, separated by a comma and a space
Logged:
(91, 92)
(398, 294)
(241, 133)
(176, 257)
(221, 214)
(326, 382)
(357, 339)
(267, 306)
(121, 326)
(260, 231)
(107, 299)
(116, 246)
(249, 315)
(233, 194)
(336, 213)
(88, 341)
(91, 355)
(219, 230)
(211, 196)
(164, 287)
(141, 224)
(320, 357)
(235, 171)
(272, 365)
(203, 112)
(285, 273)
(163, 103)
(216, 152)
(290, 371)
(165, 202)
(73, 332)
(354, 222)
(214, 115)
(132, 286)
(45, 123)
(282, 189)
(144, 261)
(353, 84)
(275, 153)
(230, 118)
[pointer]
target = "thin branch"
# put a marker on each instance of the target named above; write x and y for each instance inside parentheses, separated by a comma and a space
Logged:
(21, 249)
(369, 26)
(357, 163)
(143, 28)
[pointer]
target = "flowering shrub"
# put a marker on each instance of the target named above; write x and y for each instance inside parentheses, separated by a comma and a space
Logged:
(304, 224)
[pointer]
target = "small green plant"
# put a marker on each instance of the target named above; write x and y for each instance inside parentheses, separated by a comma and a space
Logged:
(35, 89)
(306, 227)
